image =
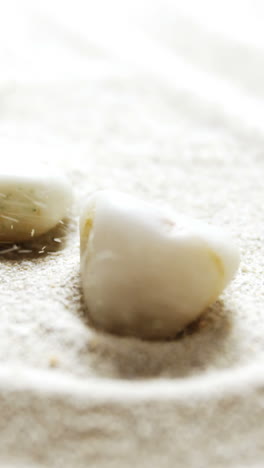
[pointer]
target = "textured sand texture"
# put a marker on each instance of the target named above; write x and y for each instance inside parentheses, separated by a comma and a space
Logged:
(164, 100)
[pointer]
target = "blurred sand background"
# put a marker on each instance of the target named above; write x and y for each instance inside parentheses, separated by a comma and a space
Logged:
(163, 99)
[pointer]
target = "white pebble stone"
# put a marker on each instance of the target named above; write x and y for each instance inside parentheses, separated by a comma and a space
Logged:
(33, 199)
(147, 271)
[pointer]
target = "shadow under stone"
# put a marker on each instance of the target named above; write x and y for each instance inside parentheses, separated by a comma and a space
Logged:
(200, 346)
(35, 248)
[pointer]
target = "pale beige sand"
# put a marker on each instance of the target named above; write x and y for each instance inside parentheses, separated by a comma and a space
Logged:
(168, 105)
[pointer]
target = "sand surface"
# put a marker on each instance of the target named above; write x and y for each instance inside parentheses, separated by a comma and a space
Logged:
(165, 100)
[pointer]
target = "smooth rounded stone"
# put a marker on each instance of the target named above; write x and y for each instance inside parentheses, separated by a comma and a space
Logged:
(148, 271)
(33, 199)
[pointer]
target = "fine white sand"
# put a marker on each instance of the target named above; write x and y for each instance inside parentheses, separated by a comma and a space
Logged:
(164, 100)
